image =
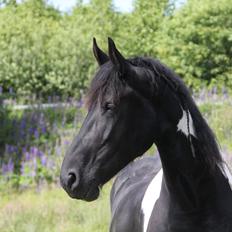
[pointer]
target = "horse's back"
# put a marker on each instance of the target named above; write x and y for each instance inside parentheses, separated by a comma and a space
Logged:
(128, 192)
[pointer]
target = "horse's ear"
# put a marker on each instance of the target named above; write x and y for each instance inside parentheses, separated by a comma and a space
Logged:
(100, 56)
(116, 57)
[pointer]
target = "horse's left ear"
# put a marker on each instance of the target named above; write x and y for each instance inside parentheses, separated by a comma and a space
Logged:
(100, 56)
(116, 58)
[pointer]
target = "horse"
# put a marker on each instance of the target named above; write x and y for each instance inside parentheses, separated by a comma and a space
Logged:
(132, 104)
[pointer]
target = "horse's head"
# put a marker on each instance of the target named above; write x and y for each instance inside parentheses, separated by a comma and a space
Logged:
(121, 124)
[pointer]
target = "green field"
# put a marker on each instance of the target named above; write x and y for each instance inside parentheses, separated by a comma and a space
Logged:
(51, 210)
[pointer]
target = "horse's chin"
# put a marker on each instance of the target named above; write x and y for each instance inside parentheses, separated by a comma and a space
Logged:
(91, 194)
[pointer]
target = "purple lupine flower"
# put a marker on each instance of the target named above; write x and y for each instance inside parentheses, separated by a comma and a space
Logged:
(40, 153)
(23, 123)
(24, 150)
(43, 160)
(31, 130)
(1, 90)
(66, 142)
(10, 166)
(10, 149)
(34, 151)
(44, 129)
(4, 169)
(36, 134)
(27, 156)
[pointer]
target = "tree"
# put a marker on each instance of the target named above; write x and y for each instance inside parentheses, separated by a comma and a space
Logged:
(197, 42)
(26, 30)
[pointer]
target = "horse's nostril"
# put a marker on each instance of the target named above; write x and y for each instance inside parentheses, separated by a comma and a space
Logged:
(72, 179)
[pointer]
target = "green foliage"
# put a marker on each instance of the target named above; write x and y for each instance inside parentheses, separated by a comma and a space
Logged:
(196, 42)
(26, 30)
(138, 29)
(43, 51)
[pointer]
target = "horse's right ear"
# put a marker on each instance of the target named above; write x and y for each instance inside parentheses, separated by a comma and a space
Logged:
(100, 56)
(117, 58)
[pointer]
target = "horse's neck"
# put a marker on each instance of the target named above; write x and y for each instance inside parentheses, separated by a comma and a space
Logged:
(189, 182)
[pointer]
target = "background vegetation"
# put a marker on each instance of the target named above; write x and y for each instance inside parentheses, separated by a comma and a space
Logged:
(46, 64)
(44, 51)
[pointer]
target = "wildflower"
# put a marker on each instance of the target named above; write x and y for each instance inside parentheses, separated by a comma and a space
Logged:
(66, 142)
(8, 167)
(36, 134)
(44, 129)
(27, 156)
(43, 160)
(34, 151)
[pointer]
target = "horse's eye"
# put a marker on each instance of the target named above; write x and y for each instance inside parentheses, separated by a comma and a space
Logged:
(109, 106)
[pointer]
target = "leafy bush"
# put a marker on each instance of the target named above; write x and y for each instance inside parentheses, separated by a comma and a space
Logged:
(196, 42)
(47, 52)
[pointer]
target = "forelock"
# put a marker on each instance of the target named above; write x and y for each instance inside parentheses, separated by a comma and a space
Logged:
(105, 86)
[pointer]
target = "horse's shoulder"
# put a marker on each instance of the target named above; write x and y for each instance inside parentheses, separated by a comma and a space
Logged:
(141, 170)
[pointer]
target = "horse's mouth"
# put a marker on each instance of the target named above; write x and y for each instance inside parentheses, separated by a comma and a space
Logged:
(91, 194)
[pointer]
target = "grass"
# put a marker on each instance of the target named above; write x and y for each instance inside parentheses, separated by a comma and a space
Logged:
(51, 210)
(219, 118)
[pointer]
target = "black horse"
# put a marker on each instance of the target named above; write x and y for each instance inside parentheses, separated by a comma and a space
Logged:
(133, 103)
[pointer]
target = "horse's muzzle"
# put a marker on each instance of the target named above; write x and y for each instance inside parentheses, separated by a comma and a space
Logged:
(77, 190)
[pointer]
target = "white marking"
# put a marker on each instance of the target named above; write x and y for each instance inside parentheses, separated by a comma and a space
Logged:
(226, 172)
(183, 124)
(150, 197)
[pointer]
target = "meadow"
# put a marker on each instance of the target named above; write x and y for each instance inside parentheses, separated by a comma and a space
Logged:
(51, 210)
(34, 138)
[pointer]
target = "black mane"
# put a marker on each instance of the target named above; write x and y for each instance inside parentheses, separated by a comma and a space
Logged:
(107, 80)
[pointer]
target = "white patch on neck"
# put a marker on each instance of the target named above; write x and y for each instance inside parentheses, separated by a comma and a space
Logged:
(183, 124)
(226, 172)
(150, 197)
